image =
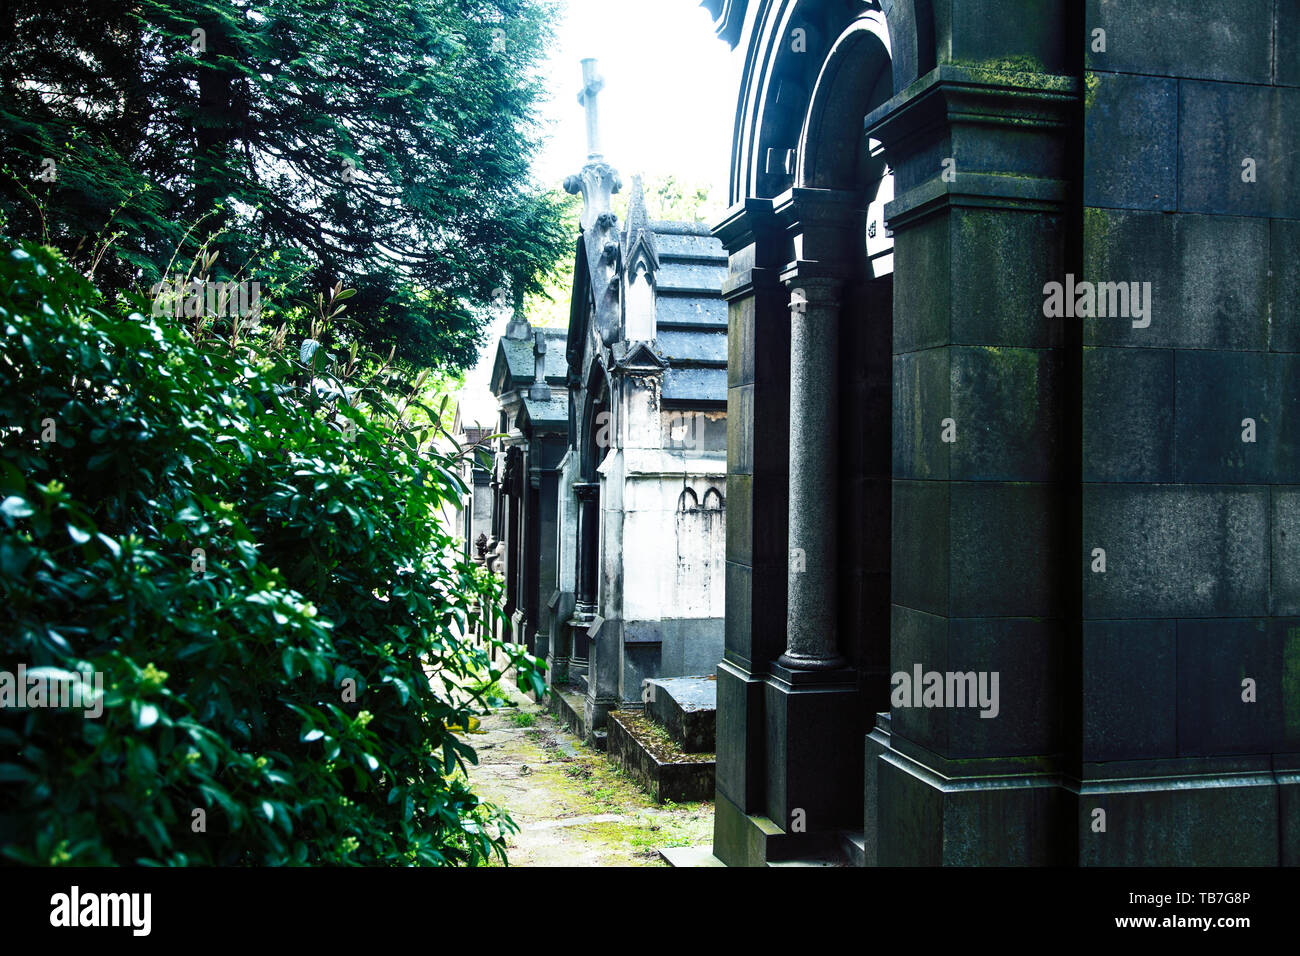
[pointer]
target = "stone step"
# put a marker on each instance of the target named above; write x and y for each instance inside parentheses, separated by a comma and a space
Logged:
(846, 848)
(853, 844)
(689, 856)
(643, 750)
(686, 707)
(829, 860)
(566, 703)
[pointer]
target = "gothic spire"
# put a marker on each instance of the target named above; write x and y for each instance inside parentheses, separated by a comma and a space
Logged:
(640, 237)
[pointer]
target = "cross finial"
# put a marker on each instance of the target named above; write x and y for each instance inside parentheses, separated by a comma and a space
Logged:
(598, 180)
(592, 84)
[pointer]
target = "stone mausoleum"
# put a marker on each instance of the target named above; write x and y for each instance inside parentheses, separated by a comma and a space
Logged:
(528, 377)
(610, 487)
(643, 484)
(1013, 471)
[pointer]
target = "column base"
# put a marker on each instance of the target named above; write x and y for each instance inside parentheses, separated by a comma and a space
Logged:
(797, 662)
(814, 749)
(744, 839)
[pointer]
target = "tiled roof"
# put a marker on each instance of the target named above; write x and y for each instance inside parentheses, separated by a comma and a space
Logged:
(518, 354)
(690, 315)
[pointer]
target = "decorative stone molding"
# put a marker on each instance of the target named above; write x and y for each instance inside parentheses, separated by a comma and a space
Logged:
(1004, 130)
(597, 183)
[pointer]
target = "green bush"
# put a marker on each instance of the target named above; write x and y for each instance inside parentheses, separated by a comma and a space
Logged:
(182, 514)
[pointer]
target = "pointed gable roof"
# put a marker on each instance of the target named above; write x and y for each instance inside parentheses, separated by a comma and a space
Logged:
(639, 236)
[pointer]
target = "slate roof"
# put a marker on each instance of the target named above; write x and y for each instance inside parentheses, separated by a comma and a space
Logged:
(690, 266)
(515, 356)
(690, 314)
(549, 414)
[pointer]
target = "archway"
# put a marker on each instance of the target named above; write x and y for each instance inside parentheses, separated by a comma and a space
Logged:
(804, 664)
(834, 155)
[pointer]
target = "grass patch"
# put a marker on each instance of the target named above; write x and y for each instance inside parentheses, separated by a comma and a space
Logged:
(493, 694)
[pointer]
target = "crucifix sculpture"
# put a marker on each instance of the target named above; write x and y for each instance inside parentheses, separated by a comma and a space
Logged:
(598, 180)
(592, 84)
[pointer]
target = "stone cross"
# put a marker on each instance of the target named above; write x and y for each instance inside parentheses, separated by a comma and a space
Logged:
(598, 180)
(592, 84)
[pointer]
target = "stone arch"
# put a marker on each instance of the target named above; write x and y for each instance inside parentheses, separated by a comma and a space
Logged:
(597, 423)
(713, 500)
(840, 473)
(777, 82)
(687, 501)
(854, 79)
(833, 152)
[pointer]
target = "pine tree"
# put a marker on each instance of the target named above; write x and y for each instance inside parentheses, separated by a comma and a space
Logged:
(384, 144)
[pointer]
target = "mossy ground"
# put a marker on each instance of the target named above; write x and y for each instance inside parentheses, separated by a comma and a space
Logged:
(656, 740)
(573, 807)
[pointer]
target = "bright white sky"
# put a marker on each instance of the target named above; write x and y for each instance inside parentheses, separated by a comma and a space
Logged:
(669, 98)
(667, 108)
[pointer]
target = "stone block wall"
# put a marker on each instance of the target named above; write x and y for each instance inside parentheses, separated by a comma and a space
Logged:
(1190, 450)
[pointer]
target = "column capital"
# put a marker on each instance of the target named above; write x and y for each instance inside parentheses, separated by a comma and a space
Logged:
(823, 228)
(825, 279)
(813, 288)
(586, 490)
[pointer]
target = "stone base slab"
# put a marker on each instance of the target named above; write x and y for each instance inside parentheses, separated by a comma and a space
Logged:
(644, 750)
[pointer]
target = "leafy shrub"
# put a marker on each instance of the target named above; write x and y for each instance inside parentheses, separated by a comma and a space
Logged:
(230, 550)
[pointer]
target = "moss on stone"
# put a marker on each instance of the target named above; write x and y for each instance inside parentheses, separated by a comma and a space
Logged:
(1098, 225)
(1091, 82)
(1005, 68)
(1291, 681)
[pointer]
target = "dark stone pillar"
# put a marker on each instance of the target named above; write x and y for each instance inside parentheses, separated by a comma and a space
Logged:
(547, 569)
(588, 494)
(521, 565)
(533, 559)
(584, 612)
(980, 515)
(758, 485)
(814, 474)
(814, 720)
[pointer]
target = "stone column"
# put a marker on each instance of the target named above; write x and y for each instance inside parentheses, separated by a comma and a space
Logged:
(758, 487)
(811, 642)
(813, 708)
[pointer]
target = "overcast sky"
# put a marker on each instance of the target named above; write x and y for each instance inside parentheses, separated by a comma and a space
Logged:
(669, 98)
(667, 107)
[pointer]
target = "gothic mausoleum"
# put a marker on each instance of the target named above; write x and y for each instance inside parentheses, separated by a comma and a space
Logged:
(611, 483)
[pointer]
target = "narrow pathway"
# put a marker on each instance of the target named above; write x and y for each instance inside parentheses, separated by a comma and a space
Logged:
(573, 806)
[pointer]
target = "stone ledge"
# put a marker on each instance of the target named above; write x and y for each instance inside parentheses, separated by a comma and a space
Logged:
(688, 856)
(686, 707)
(648, 754)
(567, 706)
